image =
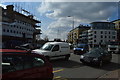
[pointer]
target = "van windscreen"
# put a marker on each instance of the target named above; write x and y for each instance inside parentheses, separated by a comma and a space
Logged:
(47, 47)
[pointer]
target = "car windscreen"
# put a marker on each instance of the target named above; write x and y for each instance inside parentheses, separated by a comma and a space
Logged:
(114, 43)
(96, 52)
(80, 46)
(47, 47)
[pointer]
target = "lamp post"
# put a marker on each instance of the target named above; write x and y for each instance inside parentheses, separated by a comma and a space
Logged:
(72, 29)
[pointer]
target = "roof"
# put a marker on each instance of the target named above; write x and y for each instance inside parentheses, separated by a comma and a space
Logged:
(100, 22)
(57, 43)
(116, 20)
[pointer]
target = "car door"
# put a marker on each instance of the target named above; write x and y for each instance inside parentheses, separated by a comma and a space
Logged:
(12, 66)
(34, 67)
(56, 50)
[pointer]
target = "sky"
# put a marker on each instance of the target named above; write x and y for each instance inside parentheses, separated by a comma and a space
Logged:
(53, 15)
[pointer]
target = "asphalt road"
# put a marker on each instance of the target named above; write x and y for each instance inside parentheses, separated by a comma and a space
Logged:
(73, 69)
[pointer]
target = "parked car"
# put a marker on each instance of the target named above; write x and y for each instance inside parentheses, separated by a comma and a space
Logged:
(114, 47)
(27, 46)
(96, 56)
(81, 49)
(20, 64)
(53, 50)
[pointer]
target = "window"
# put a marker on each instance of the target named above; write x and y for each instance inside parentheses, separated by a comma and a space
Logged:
(113, 33)
(56, 48)
(11, 31)
(95, 32)
(101, 41)
(113, 37)
(94, 36)
(38, 62)
(11, 63)
(105, 32)
(3, 30)
(31, 61)
(101, 32)
(94, 40)
(101, 36)
(7, 30)
(105, 36)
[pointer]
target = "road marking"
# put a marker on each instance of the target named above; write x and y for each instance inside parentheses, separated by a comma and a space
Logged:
(58, 70)
(57, 77)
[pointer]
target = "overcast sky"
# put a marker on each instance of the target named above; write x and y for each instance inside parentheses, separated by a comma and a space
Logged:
(55, 20)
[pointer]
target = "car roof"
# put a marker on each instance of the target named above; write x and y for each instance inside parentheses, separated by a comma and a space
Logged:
(57, 43)
(12, 50)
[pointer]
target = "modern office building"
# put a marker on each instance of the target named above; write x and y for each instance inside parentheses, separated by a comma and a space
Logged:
(101, 33)
(18, 28)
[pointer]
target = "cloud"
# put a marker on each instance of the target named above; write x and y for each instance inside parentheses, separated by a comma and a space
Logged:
(83, 12)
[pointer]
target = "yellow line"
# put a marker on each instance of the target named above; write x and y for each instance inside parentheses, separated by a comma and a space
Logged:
(58, 70)
(57, 77)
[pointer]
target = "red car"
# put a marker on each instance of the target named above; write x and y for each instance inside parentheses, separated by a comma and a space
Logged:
(20, 64)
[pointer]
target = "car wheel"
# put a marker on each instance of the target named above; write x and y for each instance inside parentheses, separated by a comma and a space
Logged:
(67, 57)
(101, 63)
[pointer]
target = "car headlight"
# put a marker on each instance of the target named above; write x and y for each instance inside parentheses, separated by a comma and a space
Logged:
(95, 59)
(81, 56)
(74, 48)
(81, 49)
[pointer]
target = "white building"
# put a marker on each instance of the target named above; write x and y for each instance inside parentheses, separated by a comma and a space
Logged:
(101, 33)
(17, 28)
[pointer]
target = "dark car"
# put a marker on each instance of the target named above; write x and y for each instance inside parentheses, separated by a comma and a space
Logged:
(81, 49)
(20, 64)
(96, 56)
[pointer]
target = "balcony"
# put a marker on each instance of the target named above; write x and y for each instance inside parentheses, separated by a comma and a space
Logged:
(90, 34)
(90, 38)
(37, 31)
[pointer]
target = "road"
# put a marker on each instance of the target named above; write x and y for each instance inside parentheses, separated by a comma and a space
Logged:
(73, 69)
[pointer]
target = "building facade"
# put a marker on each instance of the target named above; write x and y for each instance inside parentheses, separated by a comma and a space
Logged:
(101, 33)
(84, 37)
(17, 28)
(117, 27)
(74, 35)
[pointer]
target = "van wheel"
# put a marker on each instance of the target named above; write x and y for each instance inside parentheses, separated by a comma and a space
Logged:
(67, 57)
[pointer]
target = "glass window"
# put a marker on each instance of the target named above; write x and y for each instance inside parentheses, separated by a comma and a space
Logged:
(101, 36)
(94, 36)
(113, 37)
(11, 63)
(11, 31)
(105, 32)
(56, 48)
(3, 30)
(95, 32)
(105, 36)
(94, 40)
(38, 62)
(47, 47)
(7, 30)
(101, 32)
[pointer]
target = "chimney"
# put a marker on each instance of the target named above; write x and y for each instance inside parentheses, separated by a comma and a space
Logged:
(10, 7)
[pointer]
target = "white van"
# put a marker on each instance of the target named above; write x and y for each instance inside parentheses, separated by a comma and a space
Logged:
(53, 50)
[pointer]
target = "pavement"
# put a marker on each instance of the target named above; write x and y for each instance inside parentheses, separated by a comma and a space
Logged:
(114, 75)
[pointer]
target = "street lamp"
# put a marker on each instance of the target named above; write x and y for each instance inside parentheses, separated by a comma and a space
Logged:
(72, 29)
